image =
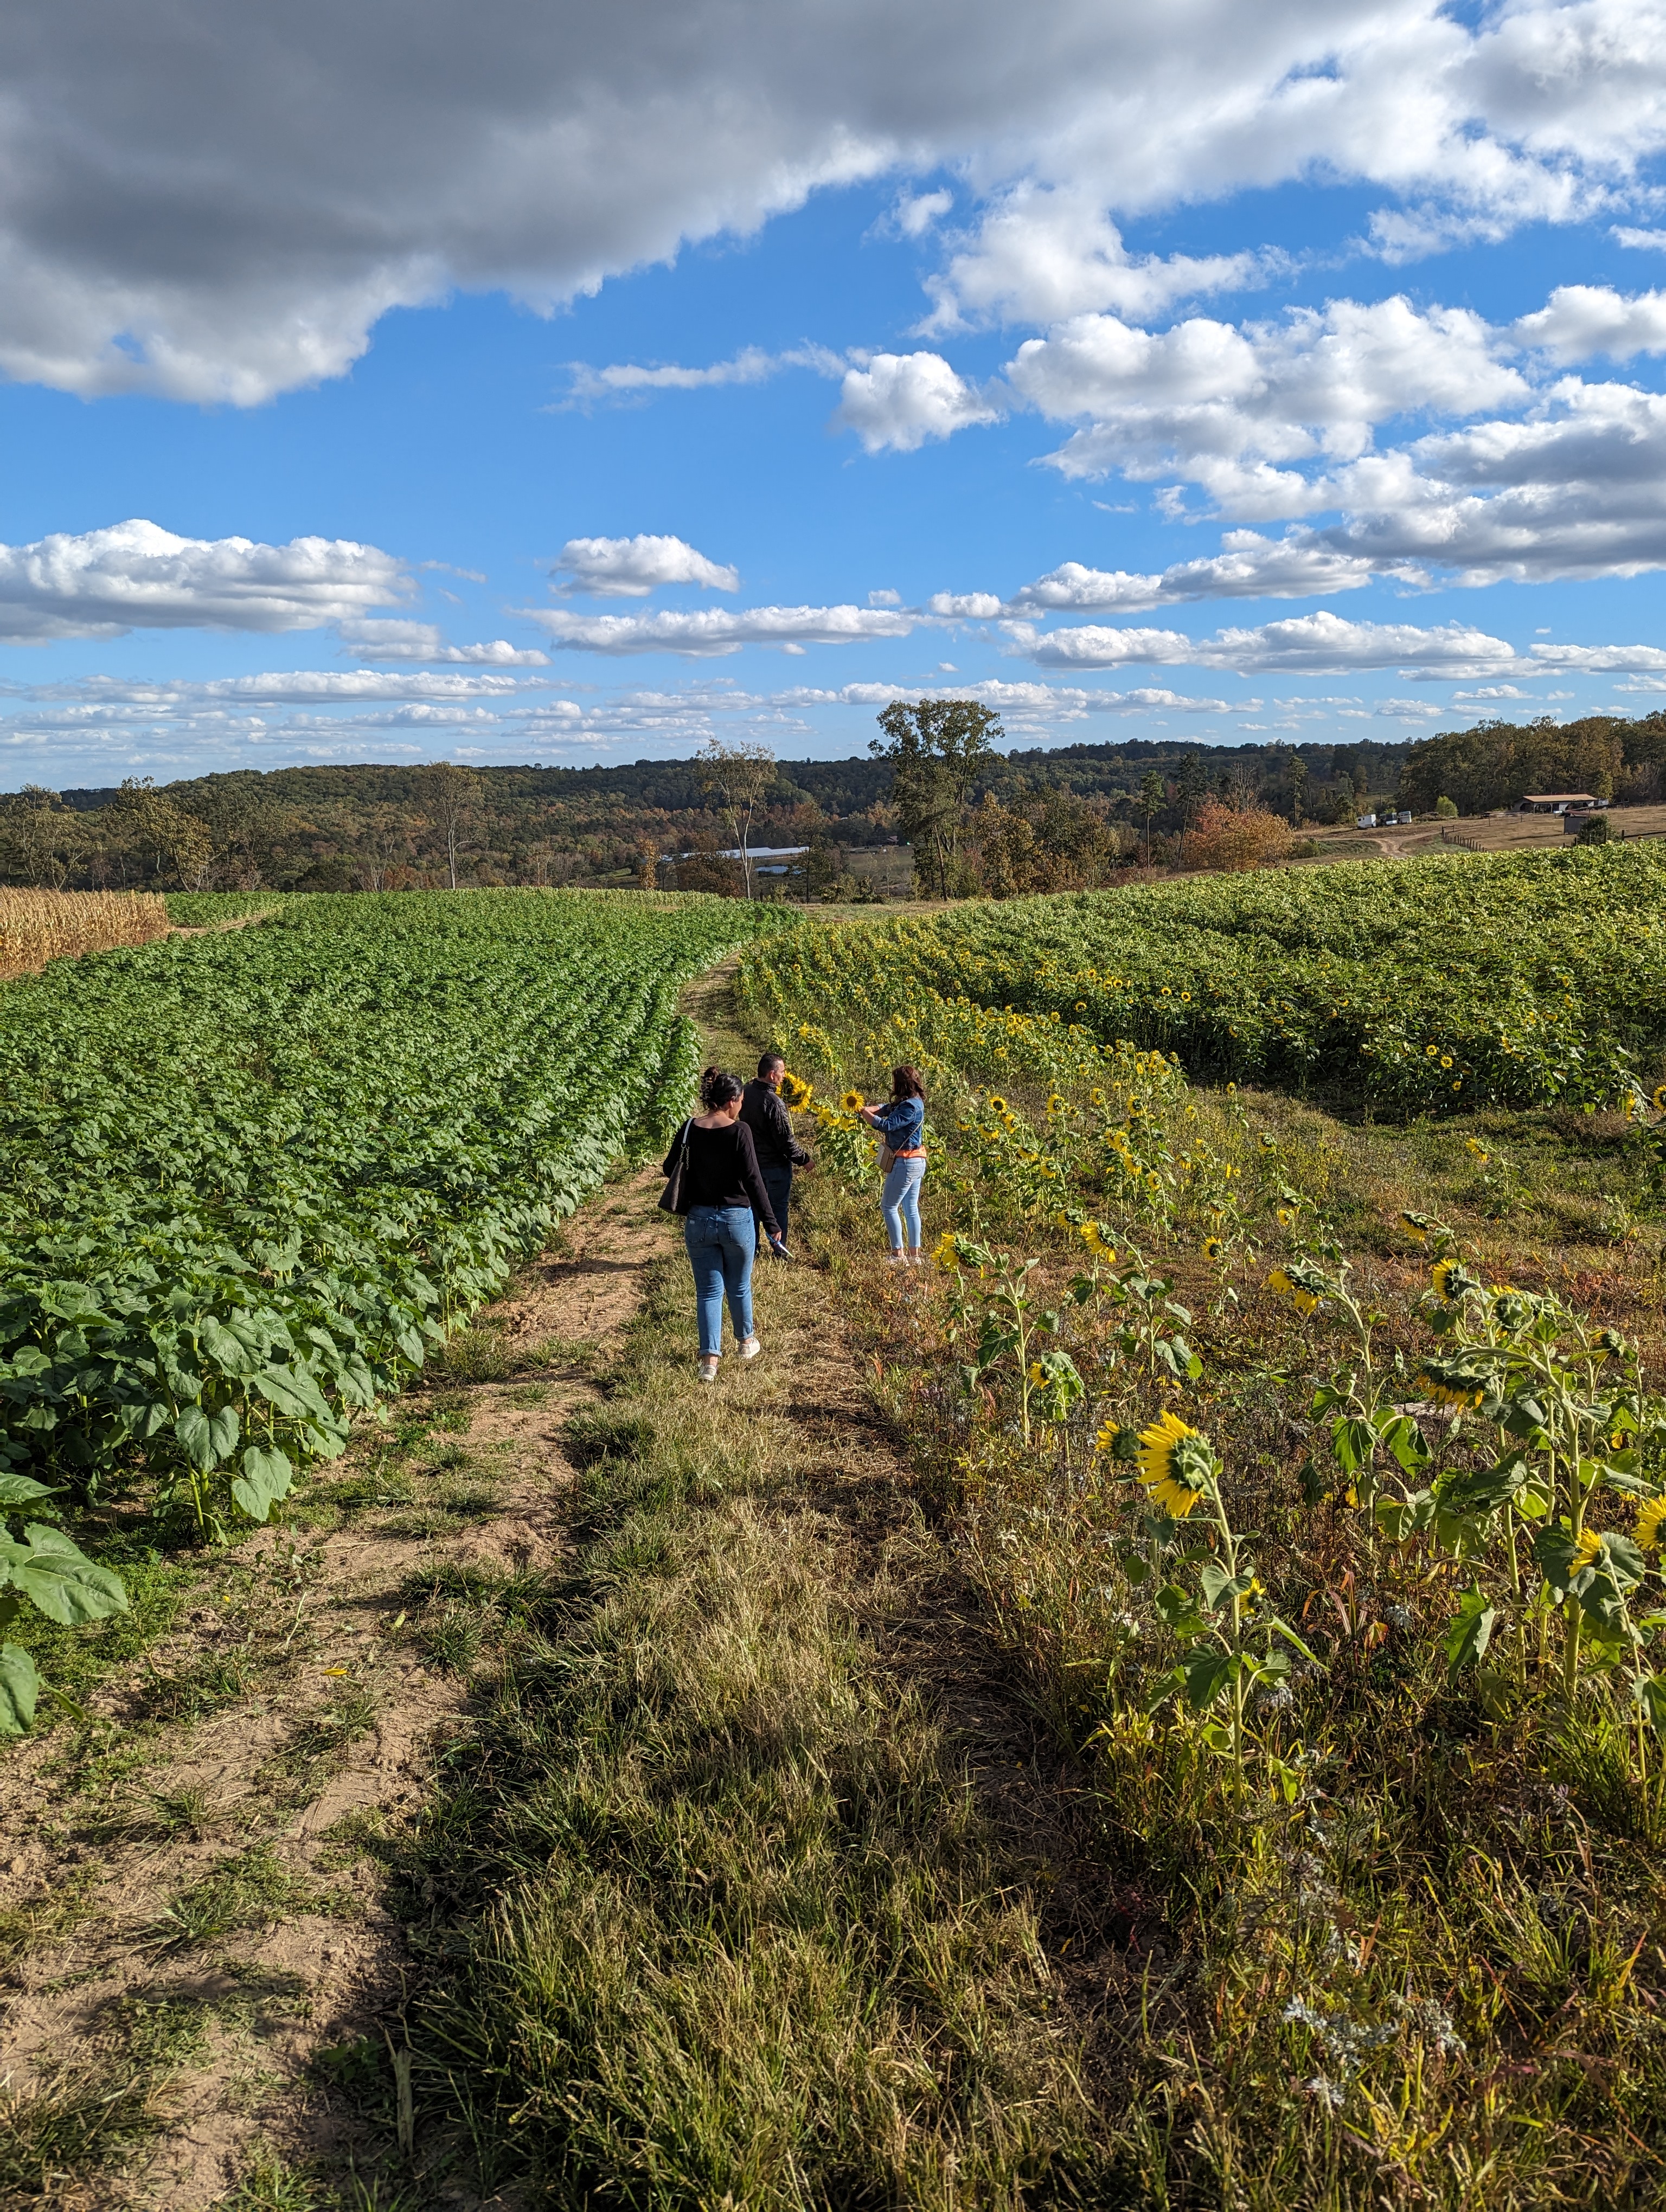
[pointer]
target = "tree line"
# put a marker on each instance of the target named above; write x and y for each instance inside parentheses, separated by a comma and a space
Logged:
(937, 783)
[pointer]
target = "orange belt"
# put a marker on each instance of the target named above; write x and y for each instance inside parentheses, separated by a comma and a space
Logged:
(914, 1153)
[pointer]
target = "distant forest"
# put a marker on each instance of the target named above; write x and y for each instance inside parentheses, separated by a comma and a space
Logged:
(1038, 819)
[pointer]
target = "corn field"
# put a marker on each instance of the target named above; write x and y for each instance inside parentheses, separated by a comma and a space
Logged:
(36, 926)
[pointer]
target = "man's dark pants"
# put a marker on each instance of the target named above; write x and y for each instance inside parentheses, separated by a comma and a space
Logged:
(778, 1182)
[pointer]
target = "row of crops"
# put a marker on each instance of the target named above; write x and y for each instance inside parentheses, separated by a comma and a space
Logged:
(1422, 986)
(249, 1178)
(1325, 1537)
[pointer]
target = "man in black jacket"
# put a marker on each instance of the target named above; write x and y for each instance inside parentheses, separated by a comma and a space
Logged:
(778, 1151)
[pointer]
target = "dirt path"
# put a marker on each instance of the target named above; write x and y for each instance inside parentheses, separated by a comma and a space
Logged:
(193, 1912)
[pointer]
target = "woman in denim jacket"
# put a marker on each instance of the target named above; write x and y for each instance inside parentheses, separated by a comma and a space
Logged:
(901, 1123)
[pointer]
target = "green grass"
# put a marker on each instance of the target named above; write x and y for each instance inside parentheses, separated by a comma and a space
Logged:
(252, 1889)
(725, 1924)
(76, 2121)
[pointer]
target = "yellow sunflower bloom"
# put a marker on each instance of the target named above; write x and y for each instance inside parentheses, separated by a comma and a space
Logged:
(1213, 1249)
(1649, 1520)
(852, 1101)
(1303, 1300)
(1176, 1465)
(1659, 1100)
(995, 1104)
(1584, 1550)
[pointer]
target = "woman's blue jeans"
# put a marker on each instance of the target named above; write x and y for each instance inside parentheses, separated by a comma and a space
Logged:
(721, 1242)
(900, 1201)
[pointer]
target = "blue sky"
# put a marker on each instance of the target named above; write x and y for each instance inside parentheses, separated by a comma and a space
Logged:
(586, 392)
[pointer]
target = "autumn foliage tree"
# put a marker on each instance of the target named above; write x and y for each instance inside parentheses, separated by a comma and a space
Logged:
(1225, 838)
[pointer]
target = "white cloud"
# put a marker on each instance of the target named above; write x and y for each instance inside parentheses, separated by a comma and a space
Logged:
(420, 641)
(294, 687)
(1599, 658)
(1491, 691)
(1652, 242)
(1043, 253)
(1251, 568)
(963, 606)
(1580, 320)
(135, 575)
(703, 634)
(899, 400)
(1553, 476)
(1231, 408)
(752, 365)
(631, 567)
(915, 213)
(1318, 643)
(176, 220)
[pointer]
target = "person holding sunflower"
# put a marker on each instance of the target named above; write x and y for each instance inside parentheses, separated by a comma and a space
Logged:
(764, 1110)
(901, 1123)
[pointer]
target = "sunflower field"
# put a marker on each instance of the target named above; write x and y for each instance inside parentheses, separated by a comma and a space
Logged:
(251, 1178)
(1422, 986)
(1312, 1474)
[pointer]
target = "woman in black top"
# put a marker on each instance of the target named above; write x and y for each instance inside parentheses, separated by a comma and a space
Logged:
(722, 1190)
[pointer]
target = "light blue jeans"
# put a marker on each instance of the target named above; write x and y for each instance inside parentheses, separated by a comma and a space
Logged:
(900, 1201)
(720, 1241)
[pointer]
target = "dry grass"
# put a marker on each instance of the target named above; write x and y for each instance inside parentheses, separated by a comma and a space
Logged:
(36, 926)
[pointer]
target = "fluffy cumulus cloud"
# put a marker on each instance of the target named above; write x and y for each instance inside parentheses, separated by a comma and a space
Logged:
(701, 635)
(419, 640)
(899, 401)
(134, 576)
(1437, 441)
(179, 216)
(631, 567)
(1321, 643)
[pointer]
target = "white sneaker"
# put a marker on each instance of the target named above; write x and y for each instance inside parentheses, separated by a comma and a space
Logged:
(750, 1348)
(708, 1368)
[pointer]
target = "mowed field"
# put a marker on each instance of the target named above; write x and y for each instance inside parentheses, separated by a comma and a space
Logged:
(1489, 833)
(1161, 1704)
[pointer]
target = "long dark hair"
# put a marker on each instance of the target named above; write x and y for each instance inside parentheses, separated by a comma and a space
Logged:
(905, 1083)
(717, 1088)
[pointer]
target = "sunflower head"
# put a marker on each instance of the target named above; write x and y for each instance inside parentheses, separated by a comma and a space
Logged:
(1056, 1105)
(1176, 1466)
(996, 1103)
(1418, 1225)
(1658, 1102)
(1453, 1281)
(852, 1101)
(1586, 1547)
(1215, 1251)
(1451, 1382)
(1649, 1520)
(1093, 1235)
(1300, 1286)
